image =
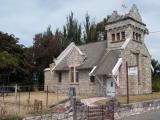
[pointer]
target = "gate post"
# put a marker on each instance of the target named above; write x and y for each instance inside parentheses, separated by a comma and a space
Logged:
(111, 108)
(72, 95)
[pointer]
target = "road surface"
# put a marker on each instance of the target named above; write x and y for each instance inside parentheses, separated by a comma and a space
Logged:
(152, 115)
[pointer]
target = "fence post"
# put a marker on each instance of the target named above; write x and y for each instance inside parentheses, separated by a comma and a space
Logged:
(57, 95)
(127, 82)
(87, 112)
(102, 112)
(113, 101)
(7, 90)
(72, 96)
(19, 100)
(16, 93)
(74, 109)
(113, 110)
(29, 95)
(47, 97)
(3, 93)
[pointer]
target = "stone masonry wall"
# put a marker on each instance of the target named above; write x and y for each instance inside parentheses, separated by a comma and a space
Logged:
(84, 86)
(120, 27)
(136, 108)
(141, 85)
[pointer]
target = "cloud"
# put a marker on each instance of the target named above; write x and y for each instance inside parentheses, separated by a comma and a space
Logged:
(25, 18)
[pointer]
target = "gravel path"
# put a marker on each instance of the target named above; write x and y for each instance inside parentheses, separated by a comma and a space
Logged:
(91, 101)
(152, 115)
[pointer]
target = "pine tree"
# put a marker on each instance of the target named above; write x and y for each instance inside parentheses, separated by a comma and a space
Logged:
(90, 34)
(72, 31)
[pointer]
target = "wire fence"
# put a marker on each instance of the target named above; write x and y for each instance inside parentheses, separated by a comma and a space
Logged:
(31, 100)
(28, 100)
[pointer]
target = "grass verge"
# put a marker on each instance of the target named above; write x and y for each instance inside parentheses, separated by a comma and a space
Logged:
(132, 98)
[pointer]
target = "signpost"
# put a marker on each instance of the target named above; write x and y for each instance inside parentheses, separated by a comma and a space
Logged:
(127, 82)
(132, 70)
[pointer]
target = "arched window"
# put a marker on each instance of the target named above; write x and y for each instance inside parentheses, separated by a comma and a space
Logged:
(123, 35)
(113, 37)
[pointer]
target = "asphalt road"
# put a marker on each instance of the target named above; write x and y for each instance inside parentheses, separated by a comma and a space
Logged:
(152, 115)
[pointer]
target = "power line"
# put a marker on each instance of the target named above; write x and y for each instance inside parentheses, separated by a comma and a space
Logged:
(155, 32)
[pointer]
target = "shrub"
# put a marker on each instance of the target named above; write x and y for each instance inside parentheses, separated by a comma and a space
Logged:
(156, 86)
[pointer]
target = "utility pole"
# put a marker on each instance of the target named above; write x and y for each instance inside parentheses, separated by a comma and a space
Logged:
(127, 82)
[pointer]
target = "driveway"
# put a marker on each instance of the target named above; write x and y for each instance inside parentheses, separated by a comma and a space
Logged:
(152, 115)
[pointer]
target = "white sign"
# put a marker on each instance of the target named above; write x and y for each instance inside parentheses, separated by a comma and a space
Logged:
(132, 71)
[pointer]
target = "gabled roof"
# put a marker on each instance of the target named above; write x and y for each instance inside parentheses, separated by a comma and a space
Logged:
(61, 59)
(94, 53)
(107, 63)
(65, 52)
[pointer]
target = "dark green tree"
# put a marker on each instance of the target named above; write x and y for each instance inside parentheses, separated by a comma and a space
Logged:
(90, 33)
(156, 75)
(100, 28)
(156, 72)
(72, 31)
(13, 60)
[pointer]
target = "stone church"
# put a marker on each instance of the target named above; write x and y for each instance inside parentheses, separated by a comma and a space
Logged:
(107, 67)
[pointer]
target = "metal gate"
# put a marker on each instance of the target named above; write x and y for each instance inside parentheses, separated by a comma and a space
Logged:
(101, 112)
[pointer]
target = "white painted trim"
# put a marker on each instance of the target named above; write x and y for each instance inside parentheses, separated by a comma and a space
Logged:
(65, 52)
(115, 71)
(116, 67)
(90, 74)
(116, 80)
(80, 52)
(125, 43)
(152, 68)
(53, 67)
(46, 69)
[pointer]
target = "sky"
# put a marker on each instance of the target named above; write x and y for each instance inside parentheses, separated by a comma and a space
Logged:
(25, 18)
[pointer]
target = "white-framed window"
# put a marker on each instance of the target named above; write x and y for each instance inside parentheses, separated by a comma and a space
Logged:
(74, 75)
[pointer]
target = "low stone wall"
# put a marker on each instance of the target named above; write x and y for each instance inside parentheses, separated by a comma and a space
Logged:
(62, 116)
(136, 108)
(120, 111)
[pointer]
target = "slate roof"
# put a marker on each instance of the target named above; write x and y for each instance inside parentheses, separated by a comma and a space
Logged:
(94, 52)
(107, 63)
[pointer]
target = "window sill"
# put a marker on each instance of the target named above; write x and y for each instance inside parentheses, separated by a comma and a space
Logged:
(137, 41)
(117, 41)
(74, 83)
(92, 83)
